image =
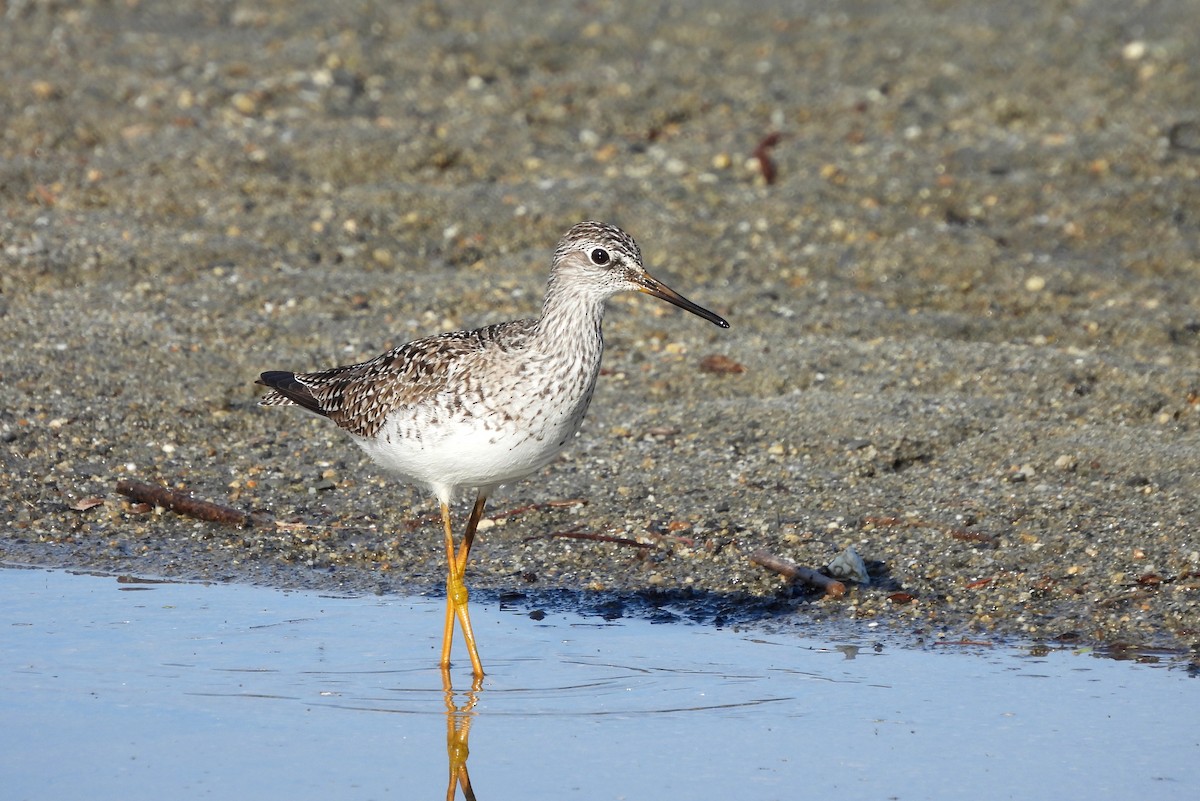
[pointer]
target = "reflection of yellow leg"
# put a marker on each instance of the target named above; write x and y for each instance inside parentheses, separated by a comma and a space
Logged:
(458, 730)
(456, 586)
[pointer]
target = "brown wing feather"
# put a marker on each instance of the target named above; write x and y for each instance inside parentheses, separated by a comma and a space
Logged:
(359, 397)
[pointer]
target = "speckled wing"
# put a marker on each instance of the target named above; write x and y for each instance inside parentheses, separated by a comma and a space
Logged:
(359, 397)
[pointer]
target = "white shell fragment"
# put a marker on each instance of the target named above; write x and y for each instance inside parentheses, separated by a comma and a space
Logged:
(848, 566)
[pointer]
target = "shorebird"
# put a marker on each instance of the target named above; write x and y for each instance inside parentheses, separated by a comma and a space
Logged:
(471, 410)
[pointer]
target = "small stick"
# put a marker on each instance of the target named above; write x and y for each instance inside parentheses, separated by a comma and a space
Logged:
(127, 579)
(183, 504)
(412, 525)
(1132, 594)
(766, 164)
(537, 507)
(793, 572)
(573, 533)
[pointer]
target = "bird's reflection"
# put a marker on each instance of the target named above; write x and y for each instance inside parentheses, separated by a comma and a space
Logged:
(458, 729)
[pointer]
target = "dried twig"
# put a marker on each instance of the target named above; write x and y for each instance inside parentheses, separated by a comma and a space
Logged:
(1131, 594)
(435, 519)
(537, 507)
(793, 572)
(127, 579)
(184, 504)
(564, 503)
(762, 153)
(573, 533)
(721, 364)
(972, 536)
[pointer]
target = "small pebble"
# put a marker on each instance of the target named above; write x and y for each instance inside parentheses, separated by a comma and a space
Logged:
(1185, 137)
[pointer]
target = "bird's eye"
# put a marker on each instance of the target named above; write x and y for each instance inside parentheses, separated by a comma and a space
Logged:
(600, 256)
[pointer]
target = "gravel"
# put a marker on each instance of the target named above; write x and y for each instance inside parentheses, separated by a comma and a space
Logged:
(965, 335)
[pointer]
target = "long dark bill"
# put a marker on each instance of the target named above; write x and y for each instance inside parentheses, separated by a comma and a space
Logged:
(652, 286)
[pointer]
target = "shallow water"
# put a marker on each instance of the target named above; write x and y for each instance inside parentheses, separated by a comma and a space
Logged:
(119, 690)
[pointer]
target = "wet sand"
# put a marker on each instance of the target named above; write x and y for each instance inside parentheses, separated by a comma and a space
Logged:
(965, 335)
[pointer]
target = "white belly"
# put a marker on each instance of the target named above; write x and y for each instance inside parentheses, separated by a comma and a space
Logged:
(476, 452)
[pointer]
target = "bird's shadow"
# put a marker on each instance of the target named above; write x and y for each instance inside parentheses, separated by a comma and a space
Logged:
(677, 605)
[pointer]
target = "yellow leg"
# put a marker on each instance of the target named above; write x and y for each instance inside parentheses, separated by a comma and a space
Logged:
(448, 631)
(456, 586)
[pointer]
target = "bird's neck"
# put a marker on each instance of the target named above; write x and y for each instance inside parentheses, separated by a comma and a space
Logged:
(570, 316)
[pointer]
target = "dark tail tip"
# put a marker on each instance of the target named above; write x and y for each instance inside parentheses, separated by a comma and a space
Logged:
(286, 385)
(277, 379)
